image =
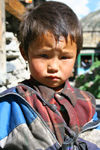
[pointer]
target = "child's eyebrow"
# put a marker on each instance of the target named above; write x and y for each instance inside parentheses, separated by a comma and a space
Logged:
(68, 53)
(44, 50)
(61, 52)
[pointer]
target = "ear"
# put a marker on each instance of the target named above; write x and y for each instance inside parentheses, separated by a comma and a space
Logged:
(23, 52)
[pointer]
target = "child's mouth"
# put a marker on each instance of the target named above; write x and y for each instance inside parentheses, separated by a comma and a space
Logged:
(53, 78)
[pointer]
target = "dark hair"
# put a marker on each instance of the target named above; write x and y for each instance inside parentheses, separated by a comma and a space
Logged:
(51, 16)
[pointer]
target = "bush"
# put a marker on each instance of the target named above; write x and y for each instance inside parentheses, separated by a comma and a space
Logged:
(91, 80)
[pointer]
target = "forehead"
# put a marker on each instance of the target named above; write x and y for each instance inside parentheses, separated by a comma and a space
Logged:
(49, 40)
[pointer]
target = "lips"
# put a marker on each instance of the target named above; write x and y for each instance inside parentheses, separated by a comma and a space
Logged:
(53, 78)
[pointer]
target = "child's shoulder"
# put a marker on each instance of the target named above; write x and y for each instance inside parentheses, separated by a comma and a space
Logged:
(84, 95)
(10, 90)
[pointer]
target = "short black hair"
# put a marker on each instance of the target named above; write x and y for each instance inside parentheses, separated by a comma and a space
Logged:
(56, 17)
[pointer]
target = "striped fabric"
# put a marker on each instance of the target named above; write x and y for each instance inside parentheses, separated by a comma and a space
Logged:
(21, 127)
(78, 106)
(27, 123)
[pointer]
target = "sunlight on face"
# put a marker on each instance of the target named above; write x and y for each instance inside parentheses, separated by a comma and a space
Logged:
(51, 62)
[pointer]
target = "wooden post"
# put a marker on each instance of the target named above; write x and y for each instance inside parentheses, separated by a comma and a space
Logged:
(15, 7)
(2, 39)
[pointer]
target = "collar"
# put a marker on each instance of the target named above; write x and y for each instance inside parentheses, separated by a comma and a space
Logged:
(48, 93)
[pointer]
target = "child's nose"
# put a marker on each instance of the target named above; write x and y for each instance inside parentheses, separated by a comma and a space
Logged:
(53, 66)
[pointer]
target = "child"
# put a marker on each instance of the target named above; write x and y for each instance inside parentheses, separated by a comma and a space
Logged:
(36, 111)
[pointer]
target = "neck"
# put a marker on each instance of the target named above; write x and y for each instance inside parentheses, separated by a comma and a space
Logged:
(59, 88)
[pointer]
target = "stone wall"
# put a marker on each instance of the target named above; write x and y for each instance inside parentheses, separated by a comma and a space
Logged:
(91, 39)
(91, 29)
(16, 66)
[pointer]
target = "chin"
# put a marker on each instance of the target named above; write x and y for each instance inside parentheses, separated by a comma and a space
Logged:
(58, 88)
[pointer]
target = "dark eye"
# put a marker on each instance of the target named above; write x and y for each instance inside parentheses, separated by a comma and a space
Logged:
(44, 55)
(64, 57)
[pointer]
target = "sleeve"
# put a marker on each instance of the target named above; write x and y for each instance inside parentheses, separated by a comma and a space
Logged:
(91, 135)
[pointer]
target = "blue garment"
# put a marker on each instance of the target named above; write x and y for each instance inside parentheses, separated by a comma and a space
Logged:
(22, 128)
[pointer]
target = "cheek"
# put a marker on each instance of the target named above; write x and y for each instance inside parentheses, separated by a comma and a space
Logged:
(67, 70)
(36, 68)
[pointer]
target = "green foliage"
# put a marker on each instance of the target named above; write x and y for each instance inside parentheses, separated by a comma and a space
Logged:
(95, 88)
(84, 87)
(90, 81)
(95, 65)
(80, 79)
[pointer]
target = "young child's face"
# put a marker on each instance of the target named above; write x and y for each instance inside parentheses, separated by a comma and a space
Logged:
(51, 62)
